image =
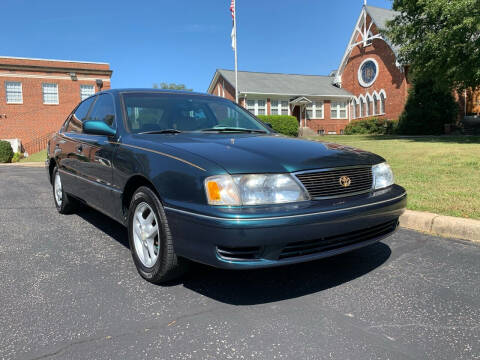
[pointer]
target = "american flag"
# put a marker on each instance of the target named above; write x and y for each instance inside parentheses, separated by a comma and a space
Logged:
(232, 8)
(234, 32)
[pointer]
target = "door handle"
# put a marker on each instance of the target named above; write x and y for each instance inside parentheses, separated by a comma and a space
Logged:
(79, 148)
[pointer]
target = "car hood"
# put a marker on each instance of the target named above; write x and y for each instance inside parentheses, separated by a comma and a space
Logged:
(270, 153)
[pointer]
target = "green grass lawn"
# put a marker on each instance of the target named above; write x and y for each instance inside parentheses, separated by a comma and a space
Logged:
(441, 174)
(40, 156)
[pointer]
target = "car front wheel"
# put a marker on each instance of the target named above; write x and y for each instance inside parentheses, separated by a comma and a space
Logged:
(150, 240)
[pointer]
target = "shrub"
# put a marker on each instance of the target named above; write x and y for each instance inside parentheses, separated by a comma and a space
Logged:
(427, 110)
(372, 126)
(284, 124)
(17, 157)
(6, 152)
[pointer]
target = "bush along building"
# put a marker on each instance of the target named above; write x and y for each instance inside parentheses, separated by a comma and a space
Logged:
(36, 96)
(369, 82)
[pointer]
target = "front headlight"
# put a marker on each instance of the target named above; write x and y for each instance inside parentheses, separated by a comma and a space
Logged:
(382, 176)
(253, 189)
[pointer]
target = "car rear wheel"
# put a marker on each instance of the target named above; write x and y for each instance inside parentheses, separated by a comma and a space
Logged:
(150, 240)
(64, 203)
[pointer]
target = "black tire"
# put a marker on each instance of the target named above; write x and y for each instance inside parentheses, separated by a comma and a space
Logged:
(67, 204)
(167, 266)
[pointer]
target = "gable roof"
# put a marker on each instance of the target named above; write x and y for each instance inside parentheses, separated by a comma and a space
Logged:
(380, 16)
(280, 84)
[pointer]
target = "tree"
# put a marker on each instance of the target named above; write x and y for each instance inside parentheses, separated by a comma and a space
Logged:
(427, 110)
(440, 40)
(171, 86)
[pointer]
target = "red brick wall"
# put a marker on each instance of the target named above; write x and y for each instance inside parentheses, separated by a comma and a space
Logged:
(327, 123)
(390, 78)
(33, 119)
(226, 90)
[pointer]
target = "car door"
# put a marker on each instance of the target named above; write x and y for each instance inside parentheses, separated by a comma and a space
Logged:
(70, 150)
(98, 150)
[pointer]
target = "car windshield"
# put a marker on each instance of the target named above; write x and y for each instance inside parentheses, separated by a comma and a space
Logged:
(173, 113)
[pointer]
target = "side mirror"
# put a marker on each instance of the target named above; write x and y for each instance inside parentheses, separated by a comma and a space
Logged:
(97, 128)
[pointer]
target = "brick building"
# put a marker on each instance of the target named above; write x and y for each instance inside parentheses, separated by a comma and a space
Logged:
(36, 95)
(313, 99)
(369, 82)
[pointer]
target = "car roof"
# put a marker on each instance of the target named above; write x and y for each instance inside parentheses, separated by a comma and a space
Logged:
(150, 90)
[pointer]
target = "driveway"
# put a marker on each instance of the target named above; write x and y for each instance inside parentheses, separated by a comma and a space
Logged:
(69, 290)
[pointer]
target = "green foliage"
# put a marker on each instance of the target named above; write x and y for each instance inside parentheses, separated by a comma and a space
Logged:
(6, 152)
(17, 157)
(284, 124)
(427, 110)
(171, 86)
(439, 39)
(373, 126)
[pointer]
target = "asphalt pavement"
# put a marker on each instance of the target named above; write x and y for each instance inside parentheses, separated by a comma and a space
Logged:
(69, 290)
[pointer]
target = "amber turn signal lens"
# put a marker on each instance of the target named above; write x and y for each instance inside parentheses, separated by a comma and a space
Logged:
(213, 191)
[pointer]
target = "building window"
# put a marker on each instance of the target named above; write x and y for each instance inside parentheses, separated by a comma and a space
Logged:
(50, 93)
(367, 108)
(315, 110)
(257, 107)
(338, 110)
(360, 108)
(375, 104)
(382, 103)
(261, 107)
(318, 109)
(284, 107)
(13, 91)
(86, 91)
(320, 132)
(274, 107)
(251, 106)
(354, 110)
(309, 111)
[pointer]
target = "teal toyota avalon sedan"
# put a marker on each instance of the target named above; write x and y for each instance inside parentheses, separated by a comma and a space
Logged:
(194, 176)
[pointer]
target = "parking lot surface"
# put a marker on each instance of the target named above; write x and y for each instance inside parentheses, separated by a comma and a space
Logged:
(69, 290)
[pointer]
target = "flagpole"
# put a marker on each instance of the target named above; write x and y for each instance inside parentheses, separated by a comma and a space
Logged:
(235, 40)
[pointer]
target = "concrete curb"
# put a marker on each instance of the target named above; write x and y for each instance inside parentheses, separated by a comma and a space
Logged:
(447, 226)
(25, 164)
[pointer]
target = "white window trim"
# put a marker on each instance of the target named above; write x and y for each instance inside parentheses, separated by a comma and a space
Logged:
(322, 109)
(21, 93)
(255, 112)
(359, 73)
(279, 107)
(93, 86)
(338, 110)
(43, 95)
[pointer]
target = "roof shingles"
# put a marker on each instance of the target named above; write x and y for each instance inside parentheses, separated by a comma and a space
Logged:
(284, 84)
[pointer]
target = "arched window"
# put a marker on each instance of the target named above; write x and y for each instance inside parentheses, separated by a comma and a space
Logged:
(382, 103)
(360, 113)
(367, 108)
(354, 110)
(375, 104)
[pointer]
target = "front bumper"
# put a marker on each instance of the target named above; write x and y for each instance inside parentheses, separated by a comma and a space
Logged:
(242, 238)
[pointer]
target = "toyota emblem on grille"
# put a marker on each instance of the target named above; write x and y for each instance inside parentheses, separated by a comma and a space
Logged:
(345, 181)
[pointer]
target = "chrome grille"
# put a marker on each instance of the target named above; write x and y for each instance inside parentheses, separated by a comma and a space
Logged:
(326, 183)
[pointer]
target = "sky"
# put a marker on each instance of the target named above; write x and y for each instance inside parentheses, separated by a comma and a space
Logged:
(182, 41)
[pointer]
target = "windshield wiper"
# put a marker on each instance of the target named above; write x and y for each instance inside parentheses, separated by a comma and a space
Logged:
(233, 129)
(164, 131)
